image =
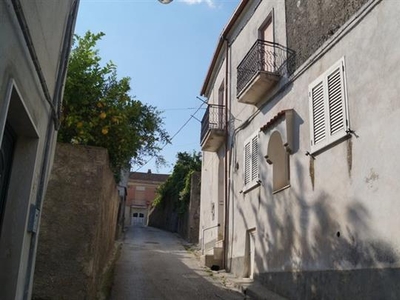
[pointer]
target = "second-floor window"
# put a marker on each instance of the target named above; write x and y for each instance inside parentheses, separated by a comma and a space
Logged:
(251, 161)
(328, 107)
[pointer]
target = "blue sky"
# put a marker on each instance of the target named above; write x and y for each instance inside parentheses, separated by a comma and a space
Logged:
(166, 51)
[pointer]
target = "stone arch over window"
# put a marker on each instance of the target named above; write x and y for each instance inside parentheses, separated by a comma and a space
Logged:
(278, 157)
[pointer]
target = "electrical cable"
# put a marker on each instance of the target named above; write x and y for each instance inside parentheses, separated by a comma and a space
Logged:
(176, 133)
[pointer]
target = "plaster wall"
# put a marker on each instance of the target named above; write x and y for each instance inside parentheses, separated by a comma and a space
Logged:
(337, 221)
(23, 105)
(47, 40)
(245, 34)
(340, 208)
(212, 179)
(209, 208)
(240, 40)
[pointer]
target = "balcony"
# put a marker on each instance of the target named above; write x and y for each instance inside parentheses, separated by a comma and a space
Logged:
(260, 70)
(213, 128)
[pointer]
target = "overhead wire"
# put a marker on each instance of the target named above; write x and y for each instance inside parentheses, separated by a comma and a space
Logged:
(176, 133)
(182, 108)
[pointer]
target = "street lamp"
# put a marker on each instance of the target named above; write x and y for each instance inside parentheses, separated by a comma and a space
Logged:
(165, 1)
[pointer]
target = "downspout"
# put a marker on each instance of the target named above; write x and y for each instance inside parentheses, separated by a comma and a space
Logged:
(56, 102)
(226, 196)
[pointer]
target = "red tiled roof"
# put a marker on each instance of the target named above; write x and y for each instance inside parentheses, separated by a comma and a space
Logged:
(274, 119)
(148, 176)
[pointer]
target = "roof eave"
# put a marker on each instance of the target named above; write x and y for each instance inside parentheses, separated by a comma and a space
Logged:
(220, 44)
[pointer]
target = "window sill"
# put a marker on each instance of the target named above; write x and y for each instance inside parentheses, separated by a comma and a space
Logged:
(281, 189)
(251, 186)
(324, 147)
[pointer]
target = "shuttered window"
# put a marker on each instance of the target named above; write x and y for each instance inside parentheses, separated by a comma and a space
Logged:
(254, 158)
(247, 163)
(328, 107)
(251, 162)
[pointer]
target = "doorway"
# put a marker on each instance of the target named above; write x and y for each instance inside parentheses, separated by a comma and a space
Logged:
(6, 155)
(267, 47)
(250, 252)
(137, 218)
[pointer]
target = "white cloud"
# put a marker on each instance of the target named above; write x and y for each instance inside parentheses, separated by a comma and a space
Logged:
(210, 3)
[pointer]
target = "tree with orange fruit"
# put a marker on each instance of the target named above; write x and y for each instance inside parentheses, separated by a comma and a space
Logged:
(99, 111)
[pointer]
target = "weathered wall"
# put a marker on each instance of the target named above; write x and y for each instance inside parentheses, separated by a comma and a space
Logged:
(186, 225)
(24, 107)
(194, 209)
(78, 226)
(377, 283)
(333, 233)
(317, 20)
(122, 193)
(328, 235)
(164, 216)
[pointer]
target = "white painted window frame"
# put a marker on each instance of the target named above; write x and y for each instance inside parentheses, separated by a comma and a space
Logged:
(254, 170)
(322, 81)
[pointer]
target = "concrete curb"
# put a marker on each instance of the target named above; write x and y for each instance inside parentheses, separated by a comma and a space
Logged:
(256, 291)
(251, 289)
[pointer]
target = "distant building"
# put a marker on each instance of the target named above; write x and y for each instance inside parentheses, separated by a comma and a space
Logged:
(300, 150)
(35, 42)
(141, 194)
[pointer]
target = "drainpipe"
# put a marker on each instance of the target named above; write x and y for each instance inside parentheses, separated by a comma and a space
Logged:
(54, 104)
(226, 196)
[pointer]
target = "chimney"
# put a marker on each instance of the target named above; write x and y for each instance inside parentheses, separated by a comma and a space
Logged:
(149, 171)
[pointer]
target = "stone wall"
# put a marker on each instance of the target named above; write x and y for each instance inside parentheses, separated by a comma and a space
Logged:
(192, 229)
(164, 216)
(186, 225)
(317, 20)
(77, 230)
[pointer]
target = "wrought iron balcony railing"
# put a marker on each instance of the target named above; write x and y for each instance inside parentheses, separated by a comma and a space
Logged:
(212, 119)
(263, 56)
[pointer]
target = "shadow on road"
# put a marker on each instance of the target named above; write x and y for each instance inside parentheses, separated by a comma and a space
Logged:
(155, 265)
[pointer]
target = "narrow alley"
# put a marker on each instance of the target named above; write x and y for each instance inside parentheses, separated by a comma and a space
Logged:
(155, 265)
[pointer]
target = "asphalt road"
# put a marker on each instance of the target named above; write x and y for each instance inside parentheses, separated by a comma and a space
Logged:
(154, 265)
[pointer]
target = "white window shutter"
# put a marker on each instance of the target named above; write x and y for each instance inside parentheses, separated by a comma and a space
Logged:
(318, 126)
(328, 107)
(254, 158)
(336, 104)
(247, 162)
(251, 161)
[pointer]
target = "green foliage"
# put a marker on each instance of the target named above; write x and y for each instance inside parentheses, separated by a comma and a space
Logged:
(177, 187)
(98, 110)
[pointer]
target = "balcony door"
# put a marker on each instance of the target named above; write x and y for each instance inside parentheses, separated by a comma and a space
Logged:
(266, 33)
